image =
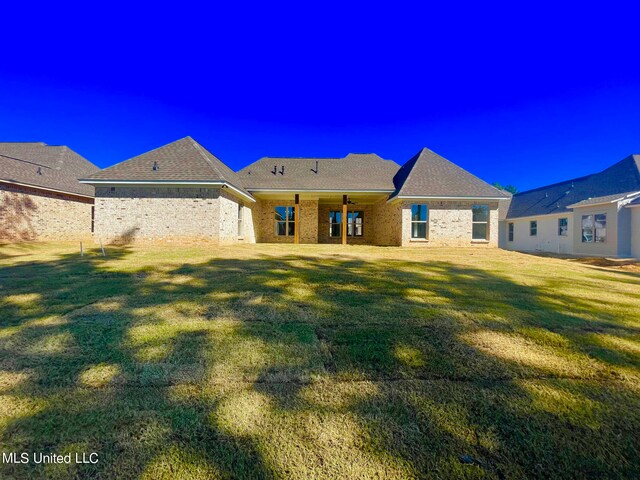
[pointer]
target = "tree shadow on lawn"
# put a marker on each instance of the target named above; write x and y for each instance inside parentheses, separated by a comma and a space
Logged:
(301, 366)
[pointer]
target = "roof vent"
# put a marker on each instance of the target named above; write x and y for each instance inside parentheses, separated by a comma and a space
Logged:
(275, 169)
(156, 166)
(282, 170)
(316, 170)
(39, 171)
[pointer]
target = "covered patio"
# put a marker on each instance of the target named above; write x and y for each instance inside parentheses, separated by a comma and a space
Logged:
(362, 218)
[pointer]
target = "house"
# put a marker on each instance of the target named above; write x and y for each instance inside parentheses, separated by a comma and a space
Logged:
(182, 191)
(40, 195)
(595, 215)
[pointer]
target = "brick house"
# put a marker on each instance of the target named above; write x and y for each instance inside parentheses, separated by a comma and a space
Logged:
(182, 191)
(594, 215)
(40, 195)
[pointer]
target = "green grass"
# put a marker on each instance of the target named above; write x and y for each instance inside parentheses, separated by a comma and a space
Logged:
(265, 361)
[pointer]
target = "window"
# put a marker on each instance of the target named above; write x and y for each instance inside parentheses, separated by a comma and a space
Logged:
(355, 224)
(335, 224)
(480, 229)
(533, 228)
(240, 221)
(563, 227)
(419, 221)
(285, 219)
(594, 228)
(511, 232)
(93, 217)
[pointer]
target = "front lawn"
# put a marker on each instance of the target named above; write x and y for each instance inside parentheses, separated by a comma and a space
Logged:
(317, 362)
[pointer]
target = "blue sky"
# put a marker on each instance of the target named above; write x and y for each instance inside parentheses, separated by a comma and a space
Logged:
(524, 94)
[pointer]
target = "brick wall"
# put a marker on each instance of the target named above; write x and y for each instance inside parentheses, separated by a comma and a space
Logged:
(33, 214)
(450, 223)
(228, 233)
(388, 223)
(264, 218)
(124, 214)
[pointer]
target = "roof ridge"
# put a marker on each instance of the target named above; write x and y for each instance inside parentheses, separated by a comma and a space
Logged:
(556, 184)
(416, 157)
(26, 161)
(302, 158)
(465, 170)
(141, 154)
(199, 148)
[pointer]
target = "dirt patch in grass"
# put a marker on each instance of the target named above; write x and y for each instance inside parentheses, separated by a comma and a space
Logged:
(611, 263)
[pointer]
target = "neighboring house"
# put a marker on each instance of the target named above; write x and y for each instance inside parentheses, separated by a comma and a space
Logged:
(183, 191)
(40, 195)
(635, 227)
(592, 215)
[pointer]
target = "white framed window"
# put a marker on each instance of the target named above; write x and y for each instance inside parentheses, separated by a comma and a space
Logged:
(240, 221)
(480, 227)
(563, 227)
(285, 221)
(533, 228)
(594, 228)
(510, 232)
(420, 221)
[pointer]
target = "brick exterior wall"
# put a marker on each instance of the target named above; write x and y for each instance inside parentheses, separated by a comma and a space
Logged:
(125, 214)
(450, 223)
(151, 213)
(264, 217)
(229, 233)
(33, 214)
(387, 223)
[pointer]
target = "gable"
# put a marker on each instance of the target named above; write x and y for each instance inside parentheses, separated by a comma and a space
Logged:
(429, 174)
(184, 160)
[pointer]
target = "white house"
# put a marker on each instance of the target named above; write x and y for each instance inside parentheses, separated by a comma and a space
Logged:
(594, 215)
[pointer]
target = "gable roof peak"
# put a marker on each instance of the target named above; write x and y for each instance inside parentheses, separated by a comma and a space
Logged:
(183, 160)
(428, 174)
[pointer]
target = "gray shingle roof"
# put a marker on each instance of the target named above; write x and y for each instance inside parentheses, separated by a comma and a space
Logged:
(184, 160)
(354, 172)
(605, 199)
(618, 179)
(45, 166)
(429, 174)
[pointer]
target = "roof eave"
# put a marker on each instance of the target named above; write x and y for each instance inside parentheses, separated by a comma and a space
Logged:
(39, 187)
(629, 196)
(319, 190)
(444, 197)
(194, 183)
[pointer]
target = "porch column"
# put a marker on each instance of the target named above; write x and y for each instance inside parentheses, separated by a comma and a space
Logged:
(344, 219)
(296, 224)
